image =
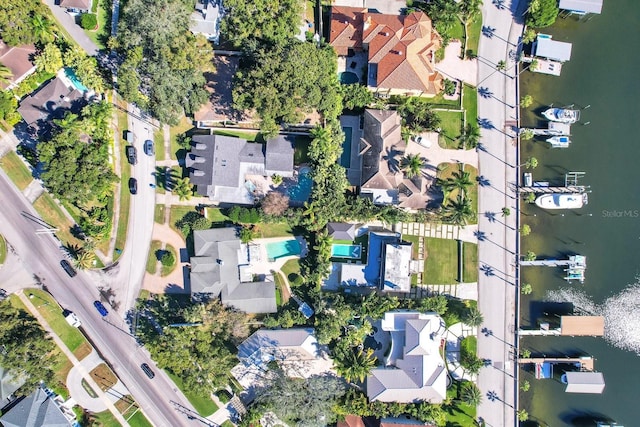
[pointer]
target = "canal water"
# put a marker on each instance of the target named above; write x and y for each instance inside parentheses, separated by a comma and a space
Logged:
(602, 78)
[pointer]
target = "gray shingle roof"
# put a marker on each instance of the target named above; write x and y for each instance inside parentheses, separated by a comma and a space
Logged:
(215, 270)
(269, 340)
(35, 410)
(8, 385)
(50, 102)
(341, 230)
(279, 157)
(17, 59)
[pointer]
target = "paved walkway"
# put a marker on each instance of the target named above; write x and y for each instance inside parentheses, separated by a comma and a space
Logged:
(439, 230)
(76, 363)
(454, 335)
(69, 24)
(436, 155)
(174, 282)
(455, 68)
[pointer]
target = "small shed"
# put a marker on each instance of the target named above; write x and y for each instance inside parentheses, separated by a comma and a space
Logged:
(341, 230)
(546, 47)
(584, 382)
(581, 7)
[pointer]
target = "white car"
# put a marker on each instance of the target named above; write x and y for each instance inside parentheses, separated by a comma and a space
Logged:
(423, 141)
(73, 320)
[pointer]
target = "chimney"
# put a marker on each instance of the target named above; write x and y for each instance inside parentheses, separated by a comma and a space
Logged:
(367, 23)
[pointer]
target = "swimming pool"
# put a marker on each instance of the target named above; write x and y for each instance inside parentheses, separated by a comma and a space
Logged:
(345, 158)
(71, 75)
(347, 78)
(283, 248)
(302, 190)
(346, 251)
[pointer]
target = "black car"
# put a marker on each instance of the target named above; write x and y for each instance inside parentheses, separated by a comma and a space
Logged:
(132, 154)
(148, 148)
(68, 268)
(133, 185)
(147, 370)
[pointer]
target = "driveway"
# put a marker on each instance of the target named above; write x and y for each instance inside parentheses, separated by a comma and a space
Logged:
(453, 67)
(69, 24)
(174, 282)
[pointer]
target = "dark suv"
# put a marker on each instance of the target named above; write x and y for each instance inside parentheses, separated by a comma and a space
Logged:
(132, 154)
(147, 370)
(68, 268)
(133, 185)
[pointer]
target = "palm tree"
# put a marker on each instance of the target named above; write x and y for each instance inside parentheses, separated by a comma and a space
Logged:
(530, 256)
(473, 317)
(69, 122)
(470, 136)
(355, 363)
(471, 394)
(461, 179)
(501, 65)
(526, 101)
(84, 260)
(525, 386)
(183, 188)
(42, 29)
(523, 415)
(526, 134)
(506, 212)
(469, 9)
(526, 289)
(5, 74)
(459, 212)
(412, 165)
(529, 35)
(531, 163)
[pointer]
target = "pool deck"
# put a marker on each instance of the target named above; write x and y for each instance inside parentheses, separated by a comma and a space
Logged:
(263, 265)
(355, 169)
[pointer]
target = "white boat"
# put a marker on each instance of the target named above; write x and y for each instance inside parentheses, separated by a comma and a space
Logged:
(562, 200)
(562, 115)
(559, 141)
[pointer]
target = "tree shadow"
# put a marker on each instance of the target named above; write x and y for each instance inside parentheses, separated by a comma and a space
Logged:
(393, 158)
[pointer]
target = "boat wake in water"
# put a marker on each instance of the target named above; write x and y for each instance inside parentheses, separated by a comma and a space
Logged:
(621, 313)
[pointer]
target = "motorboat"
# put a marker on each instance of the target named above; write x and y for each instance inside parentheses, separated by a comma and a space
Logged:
(562, 200)
(559, 141)
(562, 115)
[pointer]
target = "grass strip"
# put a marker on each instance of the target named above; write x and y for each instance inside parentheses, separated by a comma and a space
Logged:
(17, 171)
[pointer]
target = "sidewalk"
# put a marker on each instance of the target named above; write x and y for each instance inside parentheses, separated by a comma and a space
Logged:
(76, 363)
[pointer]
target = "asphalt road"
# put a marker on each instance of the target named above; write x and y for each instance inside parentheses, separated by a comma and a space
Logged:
(498, 164)
(41, 255)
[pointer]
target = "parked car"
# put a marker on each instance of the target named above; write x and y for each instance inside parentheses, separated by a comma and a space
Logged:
(73, 320)
(133, 185)
(101, 308)
(66, 265)
(148, 148)
(132, 154)
(147, 370)
(423, 141)
(129, 136)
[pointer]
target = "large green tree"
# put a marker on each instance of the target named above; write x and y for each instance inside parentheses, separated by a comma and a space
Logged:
(283, 82)
(16, 21)
(542, 13)
(272, 21)
(353, 363)
(163, 62)
(26, 349)
(49, 59)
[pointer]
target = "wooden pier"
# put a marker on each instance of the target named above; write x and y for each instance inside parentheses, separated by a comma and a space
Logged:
(586, 362)
(547, 190)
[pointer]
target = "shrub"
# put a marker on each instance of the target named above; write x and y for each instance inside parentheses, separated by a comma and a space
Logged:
(168, 259)
(88, 21)
(449, 87)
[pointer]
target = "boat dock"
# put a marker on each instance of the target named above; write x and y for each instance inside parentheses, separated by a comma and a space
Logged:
(576, 265)
(572, 326)
(554, 129)
(586, 362)
(570, 185)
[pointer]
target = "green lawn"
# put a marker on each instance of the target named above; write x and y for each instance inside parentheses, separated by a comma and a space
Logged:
(51, 214)
(3, 250)
(158, 139)
(470, 101)
(105, 419)
(470, 262)
(278, 229)
(459, 414)
(441, 261)
(203, 404)
(451, 125)
(125, 197)
(446, 170)
(158, 214)
(176, 213)
(277, 277)
(104, 26)
(215, 215)
(291, 266)
(139, 420)
(249, 136)
(182, 127)
(18, 172)
(474, 31)
(51, 311)
(152, 260)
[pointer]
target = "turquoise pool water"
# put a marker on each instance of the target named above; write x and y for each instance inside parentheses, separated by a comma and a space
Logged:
(347, 78)
(302, 190)
(346, 251)
(345, 158)
(283, 248)
(71, 75)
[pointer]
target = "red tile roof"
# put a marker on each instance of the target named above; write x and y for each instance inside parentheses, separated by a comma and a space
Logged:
(401, 47)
